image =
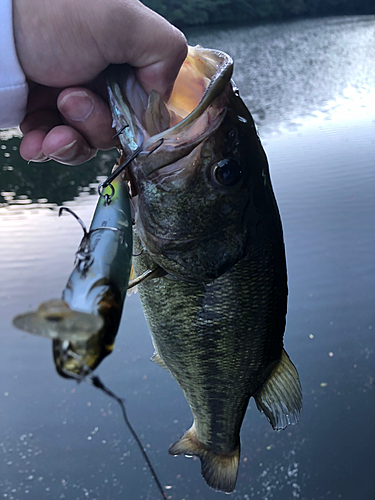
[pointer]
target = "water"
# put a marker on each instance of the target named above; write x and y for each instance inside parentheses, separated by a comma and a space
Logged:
(311, 86)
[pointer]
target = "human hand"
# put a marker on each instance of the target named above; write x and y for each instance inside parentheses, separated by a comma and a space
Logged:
(62, 45)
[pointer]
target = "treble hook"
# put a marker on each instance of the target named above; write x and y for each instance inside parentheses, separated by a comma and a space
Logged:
(120, 131)
(155, 147)
(84, 255)
(83, 225)
(88, 233)
(107, 183)
(66, 351)
(119, 169)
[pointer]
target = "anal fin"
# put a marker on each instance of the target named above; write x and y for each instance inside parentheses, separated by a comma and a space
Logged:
(219, 470)
(280, 397)
(155, 358)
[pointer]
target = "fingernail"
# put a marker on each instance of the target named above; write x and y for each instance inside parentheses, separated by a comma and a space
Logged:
(77, 106)
(41, 157)
(66, 153)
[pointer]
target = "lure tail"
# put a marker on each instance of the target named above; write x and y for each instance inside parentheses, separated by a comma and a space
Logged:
(55, 319)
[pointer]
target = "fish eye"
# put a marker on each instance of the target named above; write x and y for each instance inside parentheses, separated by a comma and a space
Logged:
(227, 172)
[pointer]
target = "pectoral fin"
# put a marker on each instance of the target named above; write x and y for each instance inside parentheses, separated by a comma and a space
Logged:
(218, 470)
(158, 272)
(132, 277)
(280, 397)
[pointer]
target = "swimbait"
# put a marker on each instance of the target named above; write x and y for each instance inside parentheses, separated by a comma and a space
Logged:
(89, 313)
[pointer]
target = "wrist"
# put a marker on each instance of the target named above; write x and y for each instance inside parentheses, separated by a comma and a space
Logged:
(13, 86)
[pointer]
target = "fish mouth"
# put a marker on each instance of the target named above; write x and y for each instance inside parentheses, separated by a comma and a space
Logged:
(169, 131)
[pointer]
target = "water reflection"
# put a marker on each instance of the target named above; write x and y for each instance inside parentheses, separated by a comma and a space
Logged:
(24, 183)
(291, 70)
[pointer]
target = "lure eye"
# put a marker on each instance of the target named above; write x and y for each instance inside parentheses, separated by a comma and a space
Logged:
(54, 318)
(227, 172)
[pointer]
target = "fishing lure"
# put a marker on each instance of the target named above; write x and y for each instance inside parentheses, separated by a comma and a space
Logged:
(89, 313)
(84, 323)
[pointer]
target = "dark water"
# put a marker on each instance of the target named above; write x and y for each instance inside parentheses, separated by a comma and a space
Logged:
(311, 86)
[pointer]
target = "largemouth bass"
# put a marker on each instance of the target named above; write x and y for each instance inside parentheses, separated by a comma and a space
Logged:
(206, 216)
(89, 313)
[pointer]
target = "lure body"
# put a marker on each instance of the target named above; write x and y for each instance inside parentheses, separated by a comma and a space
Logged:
(88, 316)
(99, 280)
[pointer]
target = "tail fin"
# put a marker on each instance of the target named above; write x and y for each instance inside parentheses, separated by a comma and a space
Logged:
(218, 470)
(280, 397)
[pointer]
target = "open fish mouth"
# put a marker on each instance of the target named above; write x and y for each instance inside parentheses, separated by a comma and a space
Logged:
(170, 131)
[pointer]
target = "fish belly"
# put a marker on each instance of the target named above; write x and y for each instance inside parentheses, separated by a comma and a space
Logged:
(220, 341)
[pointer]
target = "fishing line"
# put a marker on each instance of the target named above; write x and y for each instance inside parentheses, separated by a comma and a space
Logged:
(118, 171)
(91, 379)
(99, 384)
(120, 131)
(121, 168)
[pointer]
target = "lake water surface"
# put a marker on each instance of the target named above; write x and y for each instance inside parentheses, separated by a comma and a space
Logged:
(311, 88)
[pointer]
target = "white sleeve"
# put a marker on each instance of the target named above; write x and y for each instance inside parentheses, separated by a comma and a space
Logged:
(13, 86)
